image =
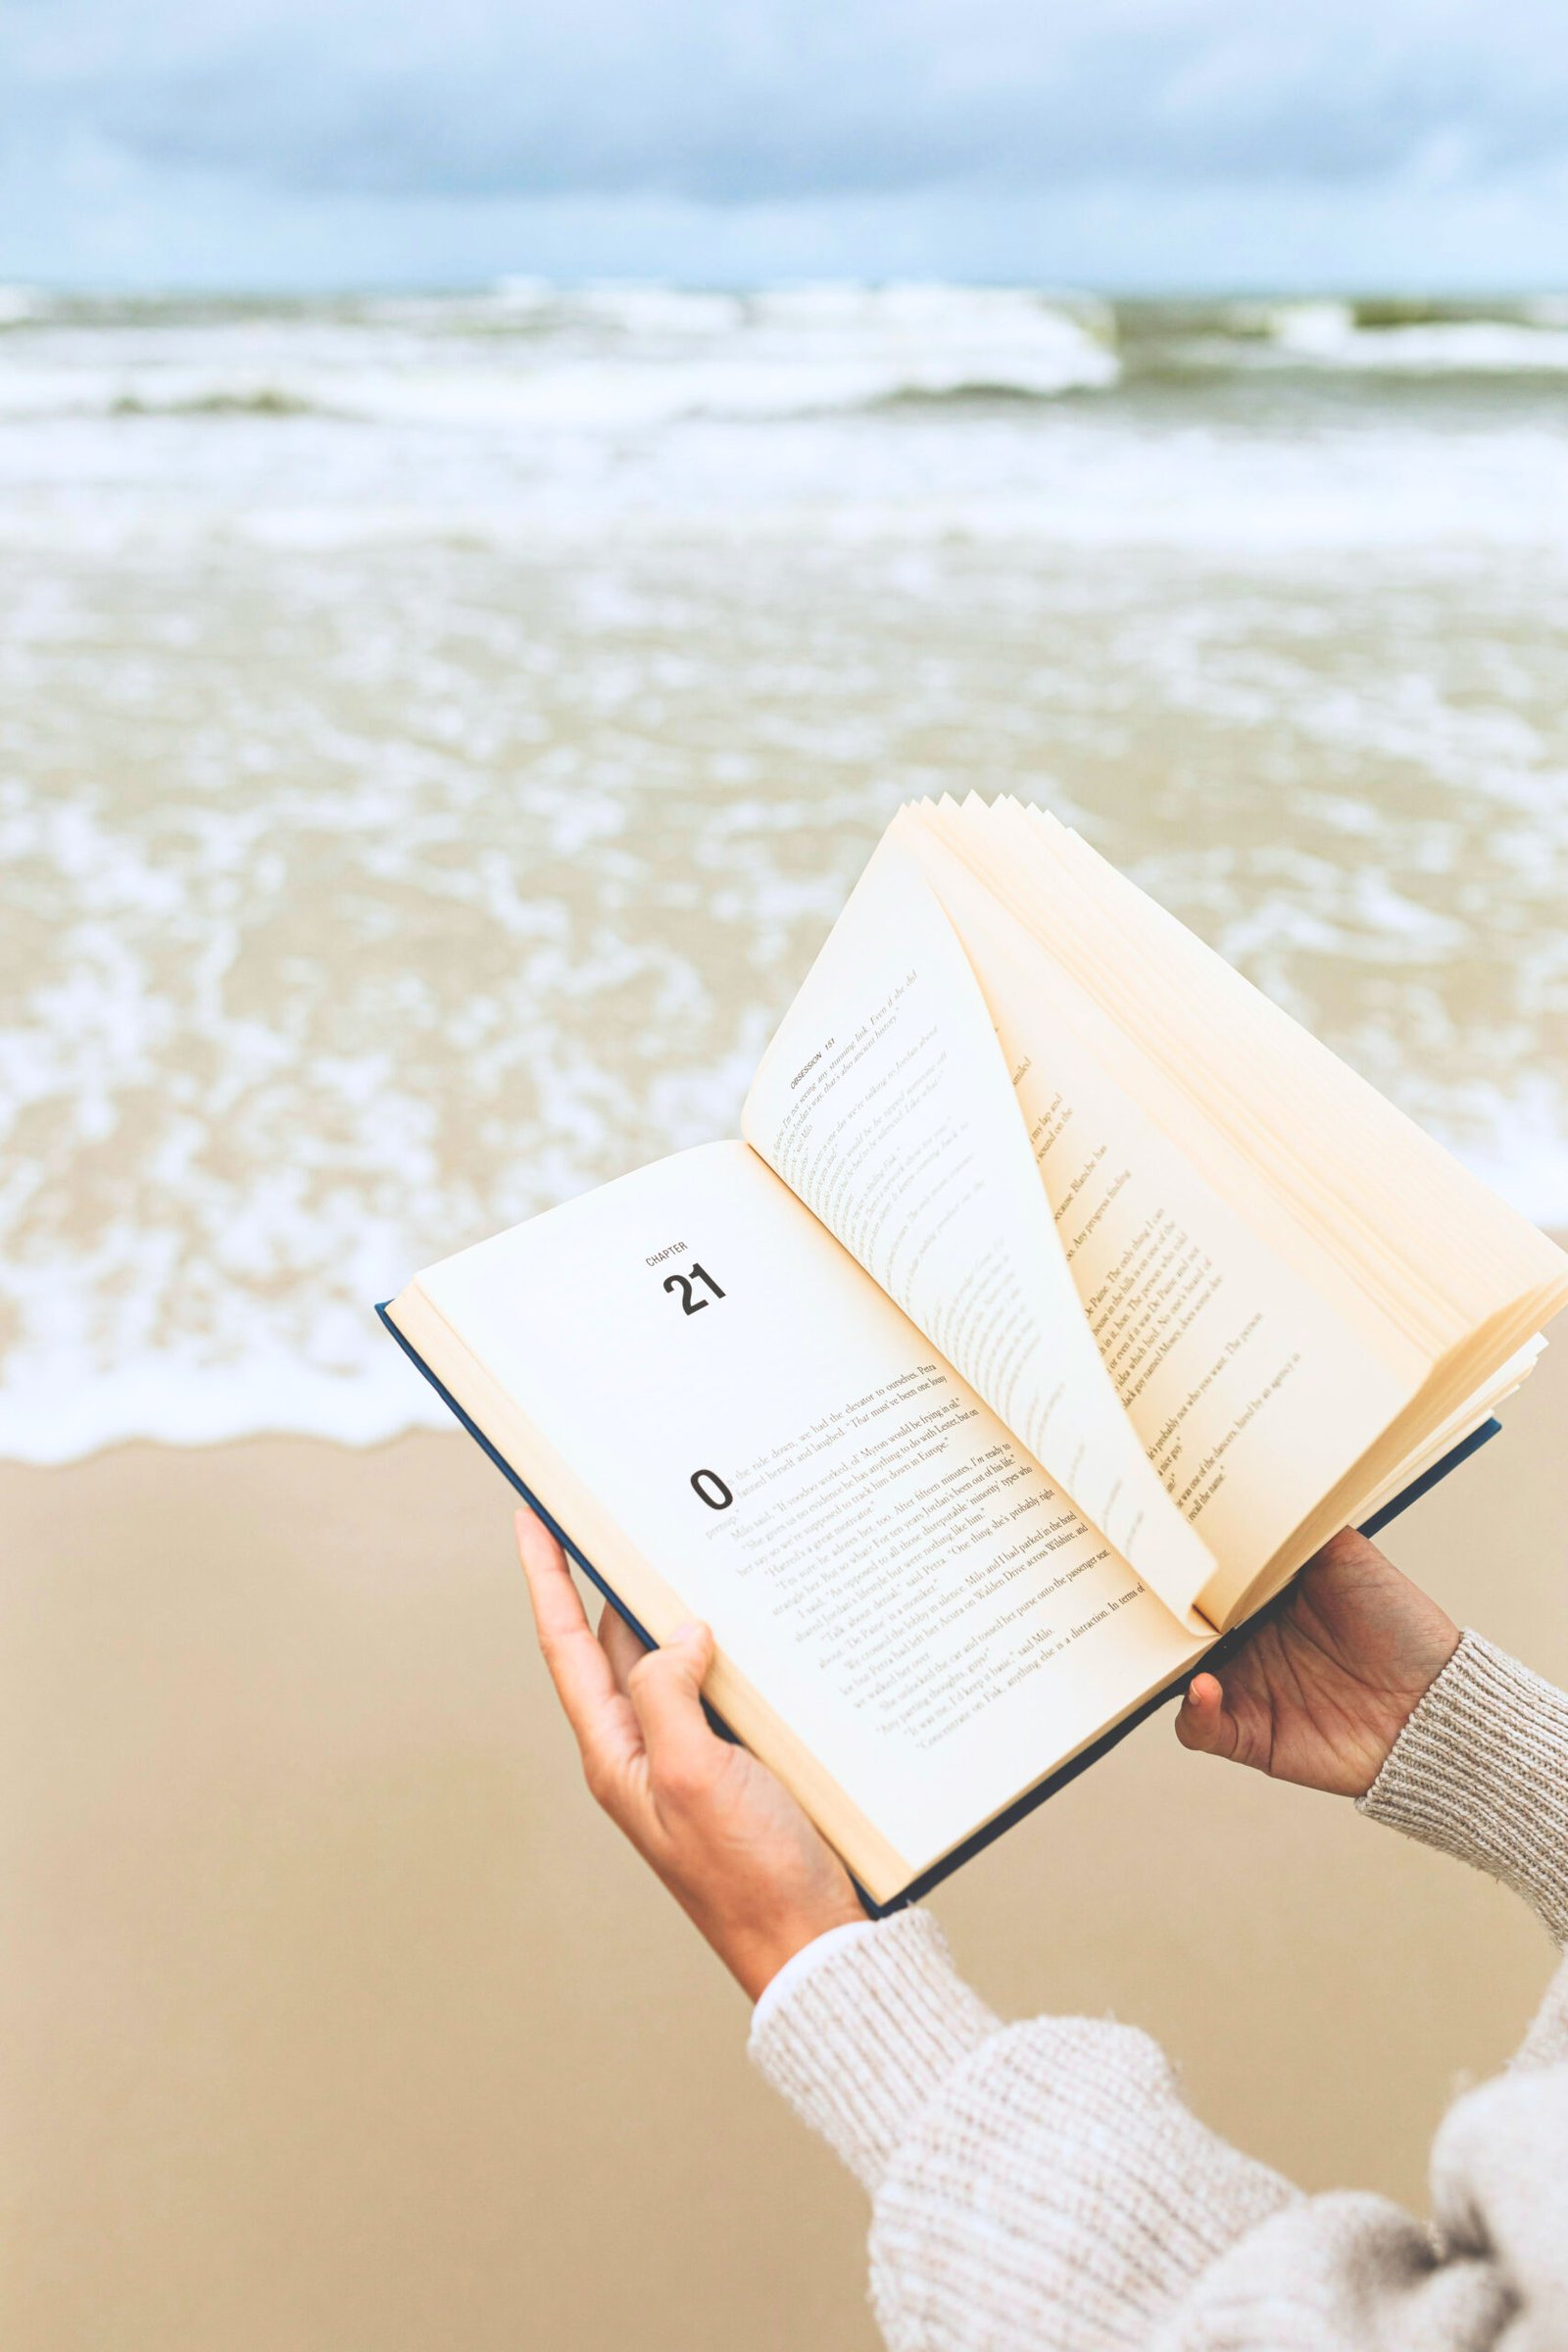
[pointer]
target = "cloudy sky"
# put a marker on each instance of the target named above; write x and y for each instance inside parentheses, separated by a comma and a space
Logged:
(1207, 144)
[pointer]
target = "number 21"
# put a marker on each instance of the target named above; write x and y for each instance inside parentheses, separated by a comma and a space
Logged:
(683, 1282)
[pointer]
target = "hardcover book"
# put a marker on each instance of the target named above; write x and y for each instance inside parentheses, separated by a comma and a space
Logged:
(1058, 1299)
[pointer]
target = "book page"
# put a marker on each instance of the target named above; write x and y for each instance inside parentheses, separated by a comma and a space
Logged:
(1420, 1238)
(1251, 1396)
(885, 1105)
(877, 1556)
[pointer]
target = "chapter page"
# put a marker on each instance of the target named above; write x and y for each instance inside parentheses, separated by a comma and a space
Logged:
(885, 1104)
(1250, 1394)
(877, 1556)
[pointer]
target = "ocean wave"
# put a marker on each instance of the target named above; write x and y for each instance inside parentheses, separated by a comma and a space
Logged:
(634, 308)
(528, 357)
(261, 400)
(1389, 338)
(982, 391)
(585, 397)
(1364, 337)
(596, 359)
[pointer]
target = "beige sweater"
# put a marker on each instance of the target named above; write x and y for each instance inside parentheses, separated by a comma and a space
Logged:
(1043, 2184)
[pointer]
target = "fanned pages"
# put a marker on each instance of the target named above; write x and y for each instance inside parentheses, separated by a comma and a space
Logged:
(885, 1104)
(1251, 1396)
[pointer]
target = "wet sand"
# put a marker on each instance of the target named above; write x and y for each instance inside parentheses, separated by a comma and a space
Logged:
(336, 2017)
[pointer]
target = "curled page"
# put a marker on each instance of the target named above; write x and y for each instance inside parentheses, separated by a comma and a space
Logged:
(886, 1104)
(1246, 1387)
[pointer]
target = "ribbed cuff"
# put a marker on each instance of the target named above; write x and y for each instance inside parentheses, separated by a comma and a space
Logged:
(859, 2042)
(1480, 1772)
(804, 1963)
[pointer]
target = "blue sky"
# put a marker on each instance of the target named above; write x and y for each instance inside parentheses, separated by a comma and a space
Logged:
(1158, 144)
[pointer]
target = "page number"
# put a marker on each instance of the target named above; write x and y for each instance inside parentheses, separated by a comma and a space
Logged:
(683, 1282)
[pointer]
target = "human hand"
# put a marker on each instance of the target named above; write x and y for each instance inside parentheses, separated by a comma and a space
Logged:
(727, 1838)
(1327, 1683)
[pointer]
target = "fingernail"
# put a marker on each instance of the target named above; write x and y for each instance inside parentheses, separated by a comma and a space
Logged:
(688, 1632)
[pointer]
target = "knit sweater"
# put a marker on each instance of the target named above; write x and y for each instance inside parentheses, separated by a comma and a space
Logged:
(1045, 2186)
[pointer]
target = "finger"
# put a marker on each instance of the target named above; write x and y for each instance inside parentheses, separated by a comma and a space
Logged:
(619, 1644)
(665, 1690)
(585, 1683)
(1204, 1723)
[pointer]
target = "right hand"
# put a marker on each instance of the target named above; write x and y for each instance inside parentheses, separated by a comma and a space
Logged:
(1325, 1685)
(727, 1838)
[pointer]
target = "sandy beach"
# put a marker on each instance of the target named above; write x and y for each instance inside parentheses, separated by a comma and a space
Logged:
(337, 2017)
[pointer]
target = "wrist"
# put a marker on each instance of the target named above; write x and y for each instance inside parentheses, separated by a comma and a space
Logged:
(1402, 1702)
(754, 1951)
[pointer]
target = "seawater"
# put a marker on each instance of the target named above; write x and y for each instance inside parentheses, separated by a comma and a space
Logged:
(435, 735)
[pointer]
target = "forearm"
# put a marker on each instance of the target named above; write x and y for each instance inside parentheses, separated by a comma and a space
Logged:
(1031, 2184)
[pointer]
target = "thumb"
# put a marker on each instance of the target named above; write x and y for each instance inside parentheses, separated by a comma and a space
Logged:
(666, 1689)
(1204, 1722)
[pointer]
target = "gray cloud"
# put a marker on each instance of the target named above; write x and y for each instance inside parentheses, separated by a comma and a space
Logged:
(728, 102)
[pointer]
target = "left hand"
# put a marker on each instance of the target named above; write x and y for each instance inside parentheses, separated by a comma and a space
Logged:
(1325, 1685)
(727, 1838)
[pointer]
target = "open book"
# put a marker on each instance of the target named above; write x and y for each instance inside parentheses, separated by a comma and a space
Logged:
(1063, 1298)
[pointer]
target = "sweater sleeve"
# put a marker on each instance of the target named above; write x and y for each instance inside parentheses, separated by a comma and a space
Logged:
(1032, 2184)
(1045, 2186)
(1480, 1772)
